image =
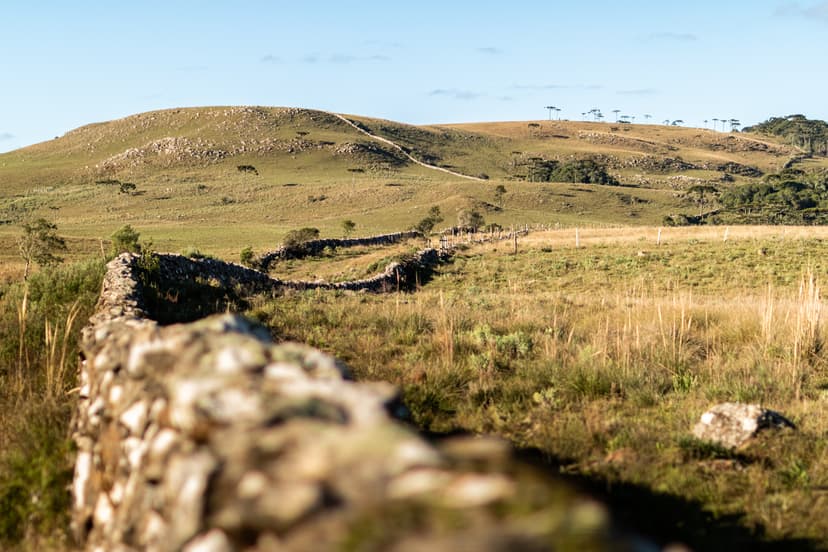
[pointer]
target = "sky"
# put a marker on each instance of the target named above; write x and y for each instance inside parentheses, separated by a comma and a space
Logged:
(66, 64)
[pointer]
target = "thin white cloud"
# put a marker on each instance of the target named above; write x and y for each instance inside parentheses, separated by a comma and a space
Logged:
(674, 37)
(455, 93)
(489, 50)
(382, 44)
(638, 92)
(270, 58)
(6, 136)
(818, 10)
(343, 58)
(542, 87)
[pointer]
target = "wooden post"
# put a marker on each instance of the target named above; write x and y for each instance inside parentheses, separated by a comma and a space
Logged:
(727, 231)
(658, 239)
(577, 239)
(515, 244)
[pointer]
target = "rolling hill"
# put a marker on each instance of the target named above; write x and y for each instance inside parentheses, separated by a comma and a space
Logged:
(304, 167)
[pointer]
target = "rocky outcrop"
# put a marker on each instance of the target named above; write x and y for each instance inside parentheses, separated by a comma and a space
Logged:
(208, 437)
(732, 425)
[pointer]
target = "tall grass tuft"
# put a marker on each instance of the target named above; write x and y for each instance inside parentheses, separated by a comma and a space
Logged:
(808, 340)
(57, 347)
(19, 382)
(40, 321)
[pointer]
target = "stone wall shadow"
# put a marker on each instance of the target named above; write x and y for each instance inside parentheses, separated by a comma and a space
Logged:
(665, 518)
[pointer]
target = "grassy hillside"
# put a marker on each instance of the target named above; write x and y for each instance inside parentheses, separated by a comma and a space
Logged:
(313, 168)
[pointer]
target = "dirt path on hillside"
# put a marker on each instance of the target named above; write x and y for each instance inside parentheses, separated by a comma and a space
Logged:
(402, 150)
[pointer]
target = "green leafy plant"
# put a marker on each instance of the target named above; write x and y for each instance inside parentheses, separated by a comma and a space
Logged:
(296, 238)
(247, 257)
(348, 227)
(39, 244)
(125, 240)
(426, 225)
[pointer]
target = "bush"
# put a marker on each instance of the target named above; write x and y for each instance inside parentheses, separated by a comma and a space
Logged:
(296, 238)
(36, 456)
(247, 257)
(127, 188)
(194, 253)
(35, 471)
(125, 240)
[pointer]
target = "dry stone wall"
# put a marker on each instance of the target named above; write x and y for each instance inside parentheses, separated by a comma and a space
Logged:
(395, 276)
(315, 247)
(209, 437)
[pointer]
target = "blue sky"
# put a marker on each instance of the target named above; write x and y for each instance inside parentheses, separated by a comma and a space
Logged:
(66, 64)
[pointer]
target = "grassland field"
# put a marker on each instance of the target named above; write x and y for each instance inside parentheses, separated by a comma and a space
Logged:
(604, 356)
(598, 357)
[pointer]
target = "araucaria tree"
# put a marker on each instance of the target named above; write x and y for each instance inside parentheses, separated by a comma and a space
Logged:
(39, 243)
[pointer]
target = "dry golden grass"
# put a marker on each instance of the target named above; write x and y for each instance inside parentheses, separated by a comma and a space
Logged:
(648, 236)
(604, 358)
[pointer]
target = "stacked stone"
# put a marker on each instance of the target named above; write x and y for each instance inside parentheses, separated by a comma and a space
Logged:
(315, 247)
(208, 437)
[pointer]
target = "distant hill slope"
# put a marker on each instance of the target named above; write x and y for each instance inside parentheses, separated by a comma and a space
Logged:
(223, 173)
(201, 138)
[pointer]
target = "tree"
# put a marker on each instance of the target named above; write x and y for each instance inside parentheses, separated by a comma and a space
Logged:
(647, 117)
(470, 219)
(498, 193)
(39, 244)
(125, 240)
(426, 225)
(348, 227)
(584, 171)
(551, 108)
(616, 111)
(698, 192)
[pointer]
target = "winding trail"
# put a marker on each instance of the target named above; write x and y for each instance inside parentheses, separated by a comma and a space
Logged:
(402, 150)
